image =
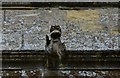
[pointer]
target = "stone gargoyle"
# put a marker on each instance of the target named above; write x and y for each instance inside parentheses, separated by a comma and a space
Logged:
(54, 48)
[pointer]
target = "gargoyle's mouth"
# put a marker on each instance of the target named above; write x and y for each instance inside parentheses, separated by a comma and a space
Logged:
(55, 34)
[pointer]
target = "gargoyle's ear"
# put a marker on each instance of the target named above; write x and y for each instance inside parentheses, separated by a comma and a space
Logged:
(47, 40)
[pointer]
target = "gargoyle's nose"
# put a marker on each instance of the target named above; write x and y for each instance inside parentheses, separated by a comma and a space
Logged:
(55, 34)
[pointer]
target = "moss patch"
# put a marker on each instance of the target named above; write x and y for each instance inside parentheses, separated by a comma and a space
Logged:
(83, 14)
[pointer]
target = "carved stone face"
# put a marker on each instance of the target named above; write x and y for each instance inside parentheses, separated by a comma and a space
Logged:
(55, 31)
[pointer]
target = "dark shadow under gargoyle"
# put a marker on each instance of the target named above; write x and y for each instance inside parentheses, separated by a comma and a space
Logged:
(55, 49)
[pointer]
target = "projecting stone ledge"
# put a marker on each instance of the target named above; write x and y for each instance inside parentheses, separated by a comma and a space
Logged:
(60, 1)
(82, 59)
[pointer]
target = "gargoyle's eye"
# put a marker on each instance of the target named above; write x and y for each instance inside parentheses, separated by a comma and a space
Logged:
(57, 27)
(53, 27)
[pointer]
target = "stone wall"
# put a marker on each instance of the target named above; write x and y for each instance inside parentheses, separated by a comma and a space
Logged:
(84, 29)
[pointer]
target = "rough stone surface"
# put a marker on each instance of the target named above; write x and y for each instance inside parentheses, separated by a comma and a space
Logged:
(85, 29)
